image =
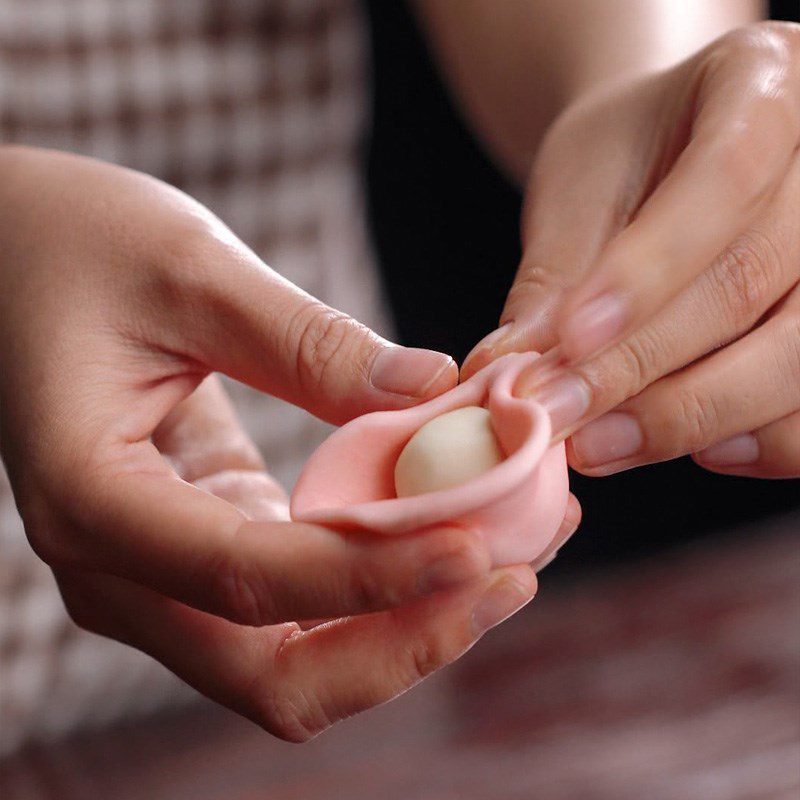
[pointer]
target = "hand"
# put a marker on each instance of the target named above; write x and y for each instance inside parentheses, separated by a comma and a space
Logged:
(661, 266)
(136, 484)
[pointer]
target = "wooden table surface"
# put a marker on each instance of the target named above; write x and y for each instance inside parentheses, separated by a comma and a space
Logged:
(672, 679)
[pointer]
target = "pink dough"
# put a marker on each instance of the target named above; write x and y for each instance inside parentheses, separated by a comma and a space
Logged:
(517, 506)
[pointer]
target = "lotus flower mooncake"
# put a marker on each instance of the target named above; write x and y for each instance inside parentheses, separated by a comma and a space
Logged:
(517, 505)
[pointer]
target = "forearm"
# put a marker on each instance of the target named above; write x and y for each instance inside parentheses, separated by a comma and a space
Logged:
(515, 64)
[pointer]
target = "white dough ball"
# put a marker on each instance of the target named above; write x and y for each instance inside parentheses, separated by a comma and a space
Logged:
(447, 451)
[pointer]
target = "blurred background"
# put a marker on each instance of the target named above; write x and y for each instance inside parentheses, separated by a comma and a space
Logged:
(660, 659)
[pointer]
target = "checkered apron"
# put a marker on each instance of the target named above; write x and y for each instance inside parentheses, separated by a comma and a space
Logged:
(255, 108)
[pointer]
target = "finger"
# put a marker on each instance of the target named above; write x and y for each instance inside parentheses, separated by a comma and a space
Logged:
(206, 445)
(772, 451)
(231, 313)
(297, 683)
(202, 435)
(743, 387)
(148, 526)
(572, 208)
(257, 495)
(572, 519)
(746, 129)
(724, 302)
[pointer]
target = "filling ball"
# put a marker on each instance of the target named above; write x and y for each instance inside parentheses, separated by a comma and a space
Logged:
(447, 451)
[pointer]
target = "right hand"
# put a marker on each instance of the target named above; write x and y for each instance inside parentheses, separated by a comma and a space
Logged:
(120, 295)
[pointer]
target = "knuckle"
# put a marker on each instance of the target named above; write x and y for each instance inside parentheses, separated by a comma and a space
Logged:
(532, 279)
(744, 276)
(777, 39)
(368, 590)
(525, 286)
(693, 422)
(379, 582)
(177, 255)
(293, 715)
(323, 337)
(281, 706)
(635, 361)
(423, 656)
(467, 546)
(535, 287)
(763, 55)
(534, 296)
(241, 597)
(178, 242)
(766, 40)
(624, 370)
(324, 340)
(376, 577)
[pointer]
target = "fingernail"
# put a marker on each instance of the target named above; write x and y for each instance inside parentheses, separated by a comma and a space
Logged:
(410, 371)
(610, 438)
(549, 560)
(541, 372)
(558, 542)
(566, 400)
(742, 449)
(595, 325)
(487, 348)
(499, 602)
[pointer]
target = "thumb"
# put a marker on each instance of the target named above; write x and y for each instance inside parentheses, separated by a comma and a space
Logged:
(261, 329)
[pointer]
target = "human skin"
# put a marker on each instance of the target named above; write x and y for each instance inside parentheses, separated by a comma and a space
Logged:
(121, 296)
(661, 250)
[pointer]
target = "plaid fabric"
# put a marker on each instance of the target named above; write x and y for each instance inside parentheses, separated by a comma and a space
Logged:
(254, 107)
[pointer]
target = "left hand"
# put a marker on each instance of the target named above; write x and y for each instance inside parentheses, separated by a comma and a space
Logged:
(661, 266)
(293, 679)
